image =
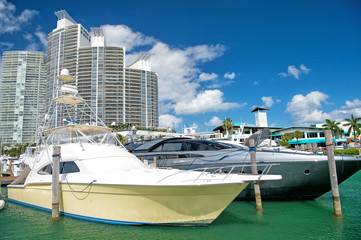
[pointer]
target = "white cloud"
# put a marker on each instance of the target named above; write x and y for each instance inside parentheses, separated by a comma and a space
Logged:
(207, 101)
(306, 109)
(10, 23)
(355, 104)
(304, 69)
(207, 76)
(6, 46)
(169, 121)
(43, 37)
(32, 47)
(38, 43)
(228, 75)
(350, 107)
(268, 101)
(292, 70)
(122, 35)
(28, 37)
(179, 73)
(215, 121)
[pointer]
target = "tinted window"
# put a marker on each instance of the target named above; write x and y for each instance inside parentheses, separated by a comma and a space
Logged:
(205, 146)
(168, 146)
(65, 167)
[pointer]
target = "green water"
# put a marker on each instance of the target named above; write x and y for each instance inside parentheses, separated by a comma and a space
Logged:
(280, 220)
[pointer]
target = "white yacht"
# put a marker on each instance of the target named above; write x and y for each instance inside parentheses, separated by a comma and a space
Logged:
(101, 181)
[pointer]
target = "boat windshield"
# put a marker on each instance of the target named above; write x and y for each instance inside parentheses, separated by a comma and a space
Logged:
(79, 134)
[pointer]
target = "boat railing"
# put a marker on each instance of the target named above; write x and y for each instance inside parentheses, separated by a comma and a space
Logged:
(227, 171)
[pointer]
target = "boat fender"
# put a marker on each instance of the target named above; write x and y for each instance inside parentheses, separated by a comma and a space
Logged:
(2, 204)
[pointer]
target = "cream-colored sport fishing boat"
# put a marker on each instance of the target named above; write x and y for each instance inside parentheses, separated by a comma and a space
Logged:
(101, 181)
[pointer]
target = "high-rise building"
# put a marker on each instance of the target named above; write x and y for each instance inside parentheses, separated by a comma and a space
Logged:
(62, 53)
(23, 95)
(116, 93)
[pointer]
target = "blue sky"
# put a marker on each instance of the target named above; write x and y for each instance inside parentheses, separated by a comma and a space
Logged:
(219, 59)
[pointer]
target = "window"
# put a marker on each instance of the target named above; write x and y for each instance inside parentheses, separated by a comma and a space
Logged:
(312, 135)
(65, 167)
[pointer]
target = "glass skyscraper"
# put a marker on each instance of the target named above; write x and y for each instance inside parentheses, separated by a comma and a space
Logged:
(23, 95)
(116, 93)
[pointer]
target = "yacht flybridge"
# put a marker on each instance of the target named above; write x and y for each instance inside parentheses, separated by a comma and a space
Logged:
(101, 181)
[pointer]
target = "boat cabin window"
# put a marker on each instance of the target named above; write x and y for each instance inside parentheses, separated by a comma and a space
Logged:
(169, 146)
(190, 145)
(65, 167)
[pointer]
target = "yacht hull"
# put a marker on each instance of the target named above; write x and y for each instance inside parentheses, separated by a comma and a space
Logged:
(127, 204)
(302, 180)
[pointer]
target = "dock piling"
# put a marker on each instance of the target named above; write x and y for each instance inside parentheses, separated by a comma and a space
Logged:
(333, 173)
(257, 190)
(55, 184)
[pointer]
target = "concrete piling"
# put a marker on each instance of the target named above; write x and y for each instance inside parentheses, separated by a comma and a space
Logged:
(55, 184)
(333, 174)
(257, 190)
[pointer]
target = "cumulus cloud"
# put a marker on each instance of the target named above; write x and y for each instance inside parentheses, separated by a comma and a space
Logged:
(306, 109)
(268, 101)
(10, 23)
(293, 71)
(207, 101)
(350, 107)
(122, 35)
(178, 69)
(215, 121)
(228, 75)
(169, 121)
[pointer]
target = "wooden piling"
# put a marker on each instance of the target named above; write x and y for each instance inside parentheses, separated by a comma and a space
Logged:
(155, 161)
(55, 184)
(333, 173)
(257, 190)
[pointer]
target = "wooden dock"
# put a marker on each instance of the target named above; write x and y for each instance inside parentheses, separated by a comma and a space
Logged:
(7, 180)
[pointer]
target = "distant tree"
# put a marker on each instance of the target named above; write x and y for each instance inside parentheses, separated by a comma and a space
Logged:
(333, 126)
(285, 138)
(121, 139)
(297, 135)
(354, 125)
(227, 125)
(312, 125)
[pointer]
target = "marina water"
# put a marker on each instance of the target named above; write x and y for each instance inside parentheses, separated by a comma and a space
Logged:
(280, 220)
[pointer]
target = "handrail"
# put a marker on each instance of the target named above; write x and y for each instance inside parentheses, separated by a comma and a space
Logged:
(229, 174)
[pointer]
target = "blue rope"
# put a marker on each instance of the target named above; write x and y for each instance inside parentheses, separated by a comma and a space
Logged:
(4, 181)
(213, 161)
(252, 149)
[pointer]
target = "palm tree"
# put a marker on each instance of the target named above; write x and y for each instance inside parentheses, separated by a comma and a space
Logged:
(227, 125)
(297, 135)
(354, 125)
(333, 126)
